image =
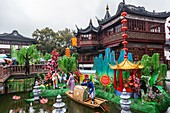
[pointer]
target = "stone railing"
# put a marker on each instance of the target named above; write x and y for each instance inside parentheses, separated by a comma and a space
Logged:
(7, 71)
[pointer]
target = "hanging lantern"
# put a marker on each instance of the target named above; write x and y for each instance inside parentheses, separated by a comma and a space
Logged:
(124, 14)
(124, 28)
(67, 52)
(124, 42)
(124, 35)
(124, 21)
(74, 41)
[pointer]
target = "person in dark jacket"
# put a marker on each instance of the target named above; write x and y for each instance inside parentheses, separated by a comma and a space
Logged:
(90, 85)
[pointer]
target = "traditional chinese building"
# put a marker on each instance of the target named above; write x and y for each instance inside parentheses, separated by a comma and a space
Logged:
(146, 34)
(13, 39)
(167, 45)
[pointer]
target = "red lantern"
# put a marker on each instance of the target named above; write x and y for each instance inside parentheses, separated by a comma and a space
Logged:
(124, 28)
(124, 35)
(124, 21)
(126, 49)
(124, 14)
(124, 42)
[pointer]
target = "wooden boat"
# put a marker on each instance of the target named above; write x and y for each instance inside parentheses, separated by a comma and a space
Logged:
(80, 95)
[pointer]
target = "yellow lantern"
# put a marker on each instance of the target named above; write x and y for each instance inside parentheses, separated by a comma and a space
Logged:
(67, 52)
(74, 41)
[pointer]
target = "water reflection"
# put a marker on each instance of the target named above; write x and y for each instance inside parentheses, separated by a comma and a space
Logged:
(74, 107)
(8, 105)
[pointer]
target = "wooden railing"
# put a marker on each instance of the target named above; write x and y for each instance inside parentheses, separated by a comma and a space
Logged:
(19, 70)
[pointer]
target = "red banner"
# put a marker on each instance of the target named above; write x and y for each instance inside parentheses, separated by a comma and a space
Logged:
(105, 80)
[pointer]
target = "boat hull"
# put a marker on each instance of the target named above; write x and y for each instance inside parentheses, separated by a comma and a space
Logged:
(98, 101)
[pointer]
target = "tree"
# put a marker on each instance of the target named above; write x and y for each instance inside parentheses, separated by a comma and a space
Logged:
(46, 38)
(25, 55)
(66, 34)
(49, 40)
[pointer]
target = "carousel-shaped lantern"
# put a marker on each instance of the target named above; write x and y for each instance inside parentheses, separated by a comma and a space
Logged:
(36, 91)
(59, 106)
(124, 102)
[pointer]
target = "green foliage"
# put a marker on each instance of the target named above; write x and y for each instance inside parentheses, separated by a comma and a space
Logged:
(153, 68)
(67, 64)
(47, 56)
(75, 55)
(163, 70)
(26, 54)
(153, 79)
(13, 52)
(155, 62)
(49, 40)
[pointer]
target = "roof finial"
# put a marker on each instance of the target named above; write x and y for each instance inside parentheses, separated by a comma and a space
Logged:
(107, 8)
(90, 21)
(124, 2)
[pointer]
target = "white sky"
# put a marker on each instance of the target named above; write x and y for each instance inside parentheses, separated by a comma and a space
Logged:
(28, 15)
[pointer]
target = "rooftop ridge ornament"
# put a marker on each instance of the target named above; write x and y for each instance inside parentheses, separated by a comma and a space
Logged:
(107, 7)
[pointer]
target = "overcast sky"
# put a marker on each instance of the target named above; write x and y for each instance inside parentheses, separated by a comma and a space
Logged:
(29, 15)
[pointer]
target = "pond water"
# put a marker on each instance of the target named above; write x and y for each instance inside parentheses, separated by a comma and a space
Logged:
(7, 104)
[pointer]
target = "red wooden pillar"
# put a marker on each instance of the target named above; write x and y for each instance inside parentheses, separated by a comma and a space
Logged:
(121, 81)
(139, 73)
(115, 81)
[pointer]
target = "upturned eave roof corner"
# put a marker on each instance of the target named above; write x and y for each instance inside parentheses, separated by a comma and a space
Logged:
(89, 29)
(126, 65)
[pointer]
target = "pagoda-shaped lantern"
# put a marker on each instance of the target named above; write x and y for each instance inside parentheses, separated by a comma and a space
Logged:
(36, 91)
(125, 64)
(124, 102)
(59, 106)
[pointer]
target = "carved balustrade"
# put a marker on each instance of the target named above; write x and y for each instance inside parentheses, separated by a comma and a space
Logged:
(7, 71)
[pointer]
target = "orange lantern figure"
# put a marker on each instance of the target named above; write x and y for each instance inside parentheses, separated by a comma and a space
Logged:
(67, 52)
(74, 41)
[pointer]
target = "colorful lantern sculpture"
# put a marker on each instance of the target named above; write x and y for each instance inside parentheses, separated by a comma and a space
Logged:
(67, 52)
(74, 41)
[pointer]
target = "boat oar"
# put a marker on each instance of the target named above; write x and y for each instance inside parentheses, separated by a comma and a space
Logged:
(95, 101)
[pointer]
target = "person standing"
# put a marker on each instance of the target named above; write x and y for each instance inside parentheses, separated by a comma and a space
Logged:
(90, 85)
(71, 83)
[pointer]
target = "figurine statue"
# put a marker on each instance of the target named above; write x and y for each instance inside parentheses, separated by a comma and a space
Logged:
(55, 76)
(90, 85)
(71, 83)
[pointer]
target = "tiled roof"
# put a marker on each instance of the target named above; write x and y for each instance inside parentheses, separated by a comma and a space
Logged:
(15, 36)
(131, 9)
